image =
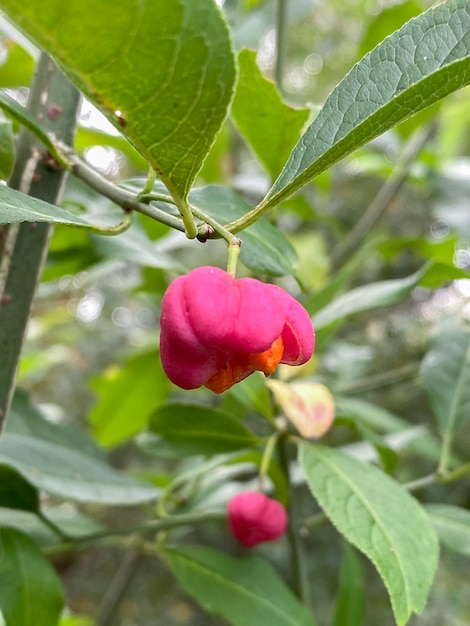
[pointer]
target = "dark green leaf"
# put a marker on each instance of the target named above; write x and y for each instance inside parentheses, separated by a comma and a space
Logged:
(424, 61)
(200, 430)
(7, 149)
(126, 397)
(31, 592)
(350, 603)
(161, 72)
(446, 374)
(16, 492)
(452, 524)
(245, 592)
(394, 532)
(270, 126)
(264, 249)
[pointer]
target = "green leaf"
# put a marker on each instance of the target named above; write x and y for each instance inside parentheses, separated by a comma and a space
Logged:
(71, 474)
(17, 68)
(381, 519)
(200, 430)
(245, 592)
(16, 492)
(350, 602)
(26, 419)
(446, 374)
(452, 524)
(7, 149)
(162, 72)
(126, 397)
(31, 592)
(364, 298)
(253, 394)
(264, 249)
(418, 65)
(19, 207)
(270, 126)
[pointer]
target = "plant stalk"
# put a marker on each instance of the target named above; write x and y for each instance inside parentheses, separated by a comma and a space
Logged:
(54, 101)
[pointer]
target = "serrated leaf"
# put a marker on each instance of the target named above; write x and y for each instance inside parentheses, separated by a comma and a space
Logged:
(200, 430)
(126, 397)
(452, 524)
(162, 72)
(381, 519)
(270, 126)
(31, 592)
(366, 297)
(418, 65)
(264, 249)
(16, 492)
(245, 592)
(446, 374)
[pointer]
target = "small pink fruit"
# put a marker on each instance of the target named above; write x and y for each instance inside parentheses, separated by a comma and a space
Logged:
(216, 330)
(255, 518)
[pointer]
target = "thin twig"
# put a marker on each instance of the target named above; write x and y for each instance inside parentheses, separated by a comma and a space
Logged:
(385, 196)
(115, 591)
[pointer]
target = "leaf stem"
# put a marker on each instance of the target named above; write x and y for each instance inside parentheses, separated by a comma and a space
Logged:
(281, 42)
(267, 457)
(176, 521)
(298, 562)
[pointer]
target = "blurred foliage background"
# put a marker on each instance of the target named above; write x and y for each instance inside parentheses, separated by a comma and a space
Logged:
(90, 356)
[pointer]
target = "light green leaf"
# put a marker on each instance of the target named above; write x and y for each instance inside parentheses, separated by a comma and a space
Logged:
(31, 592)
(381, 519)
(71, 474)
(200, 430)
(126, 397)
(270, 126)
(452, 524)
(7, 149)
(418, 65)
(245, 592)
(264, 249)
(18, 66)
(19, 207)
(162, 72)
(446, 375)
(350, 602)
(374, 295)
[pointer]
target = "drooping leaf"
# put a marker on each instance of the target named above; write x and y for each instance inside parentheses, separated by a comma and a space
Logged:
(270, 126)
(126, 397)
(71, 474)
(446, 374)
(350, 603)
(161, 72)
(394, 532)
(265, 249)
(366, 297)
(245, 592)
(31, 592)
(415, 67)
(16, 492)
(200, 430)
(452, 524)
